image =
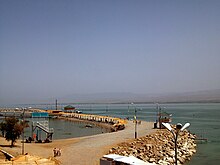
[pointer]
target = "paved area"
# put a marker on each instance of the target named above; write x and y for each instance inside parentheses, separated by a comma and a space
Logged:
(84, 150)
(88, 150)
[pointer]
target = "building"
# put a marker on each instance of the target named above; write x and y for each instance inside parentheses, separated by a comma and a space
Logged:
(69, 108)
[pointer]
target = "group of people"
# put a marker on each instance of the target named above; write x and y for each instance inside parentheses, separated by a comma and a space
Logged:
(56, 152)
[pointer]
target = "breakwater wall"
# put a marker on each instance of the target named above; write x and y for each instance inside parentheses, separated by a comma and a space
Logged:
(114, 123)
(159, 148)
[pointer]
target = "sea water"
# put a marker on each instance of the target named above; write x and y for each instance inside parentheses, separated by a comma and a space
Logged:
(203, 117)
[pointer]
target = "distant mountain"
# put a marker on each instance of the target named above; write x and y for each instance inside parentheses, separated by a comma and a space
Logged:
(100, 98)
(198, 96)
(205, 96)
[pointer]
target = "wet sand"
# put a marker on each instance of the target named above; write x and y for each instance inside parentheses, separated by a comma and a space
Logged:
(83, 150)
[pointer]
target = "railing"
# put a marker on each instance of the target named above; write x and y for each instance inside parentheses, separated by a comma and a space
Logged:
(44, 126)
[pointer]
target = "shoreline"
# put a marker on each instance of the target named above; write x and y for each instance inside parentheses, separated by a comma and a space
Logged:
(88, 150)
(85, 150)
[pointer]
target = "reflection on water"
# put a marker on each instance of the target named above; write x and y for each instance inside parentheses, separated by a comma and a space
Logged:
(66, 129)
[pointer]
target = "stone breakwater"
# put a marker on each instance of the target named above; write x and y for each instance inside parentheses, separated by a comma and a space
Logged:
(114, 123)
(159, 148)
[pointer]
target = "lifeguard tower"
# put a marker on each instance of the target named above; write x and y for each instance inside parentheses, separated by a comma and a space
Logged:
(40, 123)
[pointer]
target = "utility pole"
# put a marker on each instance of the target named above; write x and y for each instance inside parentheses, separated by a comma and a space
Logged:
(23, 123)
(135, 120)
(175, 133)
(56, 104)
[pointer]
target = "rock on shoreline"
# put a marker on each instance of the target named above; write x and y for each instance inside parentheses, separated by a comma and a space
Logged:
(159, 148)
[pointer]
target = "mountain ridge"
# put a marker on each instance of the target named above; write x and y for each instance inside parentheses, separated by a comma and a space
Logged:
(128, 97)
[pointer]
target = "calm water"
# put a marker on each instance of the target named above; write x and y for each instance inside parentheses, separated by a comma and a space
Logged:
(66, 129)
(204, 119)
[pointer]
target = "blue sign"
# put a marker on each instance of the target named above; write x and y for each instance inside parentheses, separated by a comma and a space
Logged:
(39, 115)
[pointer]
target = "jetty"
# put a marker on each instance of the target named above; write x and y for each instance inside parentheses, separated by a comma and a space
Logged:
(114, 122)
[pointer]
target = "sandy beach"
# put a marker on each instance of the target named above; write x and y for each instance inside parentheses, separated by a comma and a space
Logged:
(84, 150)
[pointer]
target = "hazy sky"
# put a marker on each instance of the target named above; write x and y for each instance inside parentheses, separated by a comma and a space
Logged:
(53, 48)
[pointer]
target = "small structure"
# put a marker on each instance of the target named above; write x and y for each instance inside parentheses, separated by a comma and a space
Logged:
(163, 117)
(69, 108)
(40, 122)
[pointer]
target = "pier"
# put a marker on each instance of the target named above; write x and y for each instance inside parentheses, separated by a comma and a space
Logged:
(116, 123)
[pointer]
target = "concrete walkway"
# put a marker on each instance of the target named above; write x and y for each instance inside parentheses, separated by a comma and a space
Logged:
(88, 150)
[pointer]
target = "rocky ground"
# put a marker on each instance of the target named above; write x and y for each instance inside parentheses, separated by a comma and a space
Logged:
(159, 148)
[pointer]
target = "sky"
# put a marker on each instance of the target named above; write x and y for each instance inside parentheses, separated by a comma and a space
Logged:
(55, 48)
